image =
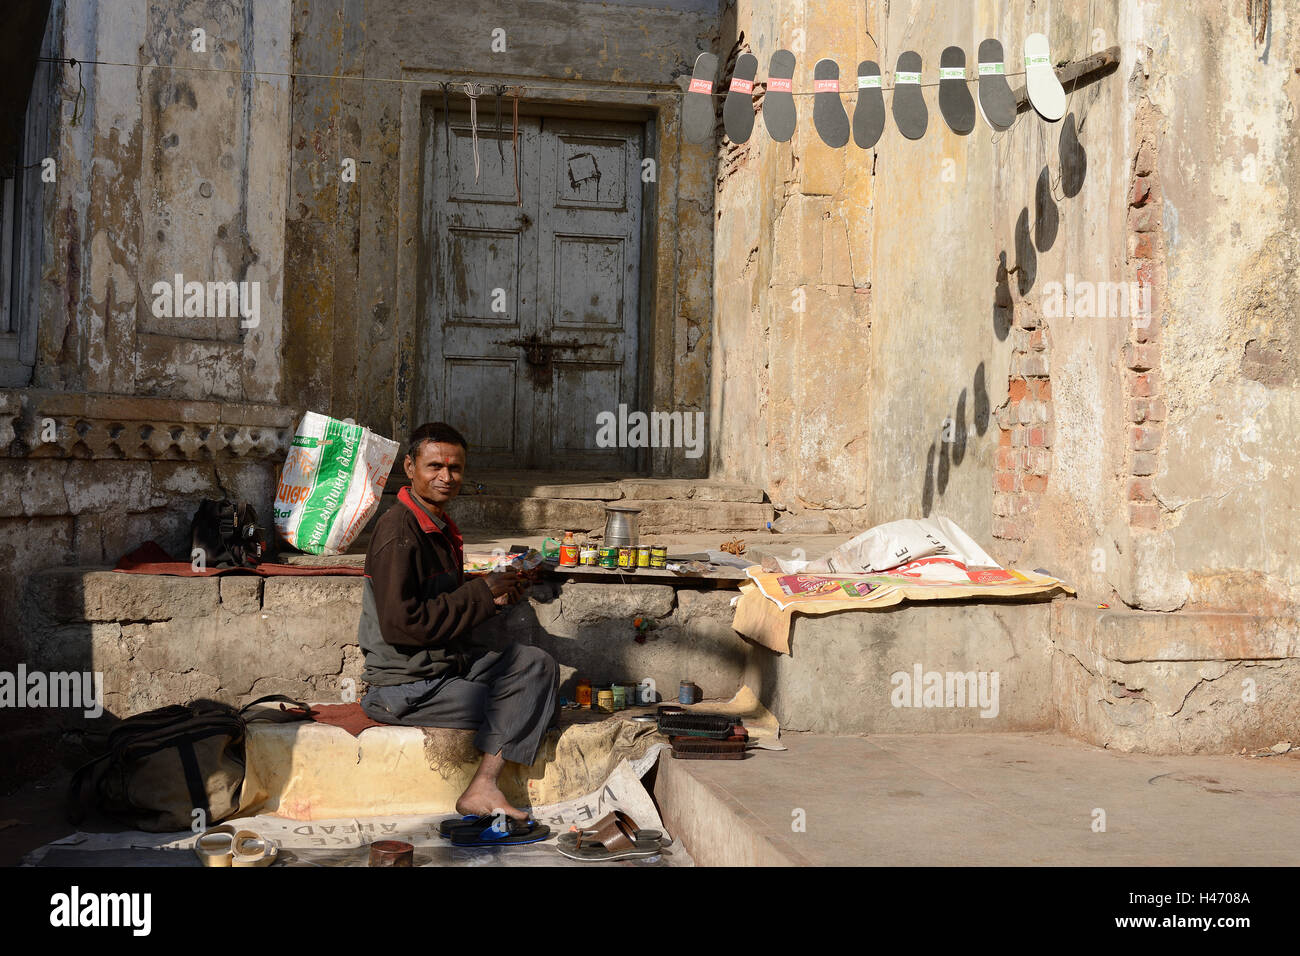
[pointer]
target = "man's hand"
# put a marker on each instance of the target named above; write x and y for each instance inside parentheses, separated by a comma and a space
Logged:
(507, 586)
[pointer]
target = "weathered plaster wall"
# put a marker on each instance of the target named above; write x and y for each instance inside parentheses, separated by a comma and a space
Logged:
(132, 418)
(354, 249)
(931, 372)
(1230, 356)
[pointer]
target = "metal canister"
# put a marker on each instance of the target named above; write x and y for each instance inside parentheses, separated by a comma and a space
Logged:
(686, 693)
(605, 701)
(643, 556)
(392, 853)
(627, 559)
(588, 555)
(620, 696)
(658, 557)
(630, 692)
(608, 557)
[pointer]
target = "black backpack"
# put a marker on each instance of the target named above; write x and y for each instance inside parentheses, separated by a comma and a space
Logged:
(228, 534)
(163, 765)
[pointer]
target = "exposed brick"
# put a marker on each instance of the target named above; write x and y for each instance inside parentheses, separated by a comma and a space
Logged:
(1035, 483)
(1009, 529)
(1146, 439)
(1143, 386)
(1004, 438)
(1007, 481)
(1143, 245)
(1018, 436)
(1042, 389)
(1026, 319)
(1144, 463)
(1025, 503)
(1140, 358)
(1143, 515)
(1146, 219)
(1034, 365)
(1145, 328)
(1140, 489)
(1017, 388)
(1025, 412)
(1147, 410)
(1002, 504)
(1144, 164)
(1141, 191)
(1005, 457)
(1038, 340)
(1039, 461)
(1037, 437)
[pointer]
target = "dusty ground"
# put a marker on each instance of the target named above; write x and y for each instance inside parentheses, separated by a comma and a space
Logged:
(953, 799)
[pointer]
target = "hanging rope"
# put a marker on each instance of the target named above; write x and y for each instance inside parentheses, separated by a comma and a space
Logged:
(474, 91)
(501, 149)
(446, 122)
(515, 93)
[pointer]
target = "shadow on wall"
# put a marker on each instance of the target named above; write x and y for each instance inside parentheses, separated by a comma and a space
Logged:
(949, 449)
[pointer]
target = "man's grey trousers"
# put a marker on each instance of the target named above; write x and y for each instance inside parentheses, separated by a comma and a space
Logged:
(508, 696)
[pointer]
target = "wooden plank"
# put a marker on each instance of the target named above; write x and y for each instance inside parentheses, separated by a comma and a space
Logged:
(1076, 74)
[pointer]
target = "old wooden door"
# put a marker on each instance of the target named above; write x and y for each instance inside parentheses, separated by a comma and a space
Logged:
(531, 309)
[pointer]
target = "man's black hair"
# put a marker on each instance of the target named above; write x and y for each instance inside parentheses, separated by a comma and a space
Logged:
(438, 432)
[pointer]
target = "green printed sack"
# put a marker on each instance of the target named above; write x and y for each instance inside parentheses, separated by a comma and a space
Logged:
(331, 483)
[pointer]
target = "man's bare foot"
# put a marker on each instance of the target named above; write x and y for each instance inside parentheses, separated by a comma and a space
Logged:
(482, 796)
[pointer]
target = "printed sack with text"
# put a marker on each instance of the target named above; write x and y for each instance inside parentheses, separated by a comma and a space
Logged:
(331, 483)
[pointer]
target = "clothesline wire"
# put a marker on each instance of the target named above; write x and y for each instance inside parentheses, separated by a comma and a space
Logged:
(568, 88)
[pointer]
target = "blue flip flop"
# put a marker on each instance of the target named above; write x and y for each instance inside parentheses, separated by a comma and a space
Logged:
(485, 831)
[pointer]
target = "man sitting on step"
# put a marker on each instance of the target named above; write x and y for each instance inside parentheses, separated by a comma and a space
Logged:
(417, 615)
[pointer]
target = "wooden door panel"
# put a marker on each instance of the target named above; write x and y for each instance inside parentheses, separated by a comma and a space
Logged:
(591, 172)
(485, 404)
(590, 275)
(479, 263)
(580, 391)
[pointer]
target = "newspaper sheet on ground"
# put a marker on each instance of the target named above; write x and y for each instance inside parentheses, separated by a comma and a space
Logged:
(345, 842)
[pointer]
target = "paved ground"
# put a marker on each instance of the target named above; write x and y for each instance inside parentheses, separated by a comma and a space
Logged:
(945, 800)
(1004, 799)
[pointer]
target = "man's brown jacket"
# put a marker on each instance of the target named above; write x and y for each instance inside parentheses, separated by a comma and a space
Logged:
(418, 610)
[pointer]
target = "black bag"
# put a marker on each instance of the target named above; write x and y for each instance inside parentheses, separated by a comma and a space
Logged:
(227, 534)
(163, 765)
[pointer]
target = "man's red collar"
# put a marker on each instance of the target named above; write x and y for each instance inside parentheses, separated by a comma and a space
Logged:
(426, 520)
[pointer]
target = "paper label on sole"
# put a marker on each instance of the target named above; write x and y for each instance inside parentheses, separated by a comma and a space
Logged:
(868, 82)
(777, 84)
(907, 78)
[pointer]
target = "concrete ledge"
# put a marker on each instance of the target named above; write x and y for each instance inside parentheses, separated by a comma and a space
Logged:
(161, 640)
(1182, 683)
(837, 679)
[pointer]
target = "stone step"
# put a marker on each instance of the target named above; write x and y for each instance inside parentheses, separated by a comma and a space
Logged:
(667, 507)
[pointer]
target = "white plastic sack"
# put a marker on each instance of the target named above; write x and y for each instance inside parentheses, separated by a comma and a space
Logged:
(331, 483)
(888, 545)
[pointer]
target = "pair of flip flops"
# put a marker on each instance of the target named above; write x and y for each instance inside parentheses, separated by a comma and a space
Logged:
(614, 836)
(226, 846)
(492, 829)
